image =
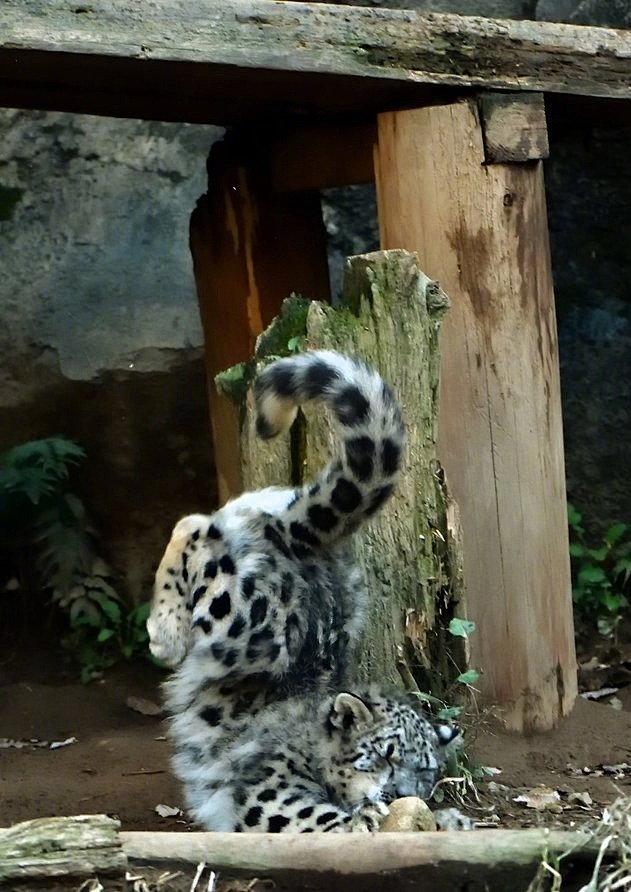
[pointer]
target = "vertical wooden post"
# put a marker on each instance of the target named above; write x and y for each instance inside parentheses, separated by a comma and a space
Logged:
(251, 248)
(481, 230)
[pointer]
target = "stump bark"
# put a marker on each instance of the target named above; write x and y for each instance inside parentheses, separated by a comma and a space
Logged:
(389, 315)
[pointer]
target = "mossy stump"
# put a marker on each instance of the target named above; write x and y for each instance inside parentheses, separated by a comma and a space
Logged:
(389, 314)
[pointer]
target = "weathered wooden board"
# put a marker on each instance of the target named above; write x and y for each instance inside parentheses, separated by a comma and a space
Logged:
(481, 230)
(503, 860)
(514, 127)
(243, 59)
(43, 853)
(57, 847)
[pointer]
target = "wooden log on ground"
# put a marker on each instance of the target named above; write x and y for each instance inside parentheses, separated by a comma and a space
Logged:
(48, 849)
(58, 847)
(481, 229)
(390, 316)
(501, 860)
(242, 60)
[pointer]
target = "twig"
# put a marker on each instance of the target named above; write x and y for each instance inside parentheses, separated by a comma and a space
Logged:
(198, 873)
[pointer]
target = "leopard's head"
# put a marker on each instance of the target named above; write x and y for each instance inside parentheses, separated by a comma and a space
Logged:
(382, 748)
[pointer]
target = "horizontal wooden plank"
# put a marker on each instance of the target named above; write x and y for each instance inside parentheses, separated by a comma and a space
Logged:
(503, 860)
(319, 157)
(245, 59)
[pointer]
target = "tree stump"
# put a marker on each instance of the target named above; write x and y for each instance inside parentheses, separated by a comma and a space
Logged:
(389, 315)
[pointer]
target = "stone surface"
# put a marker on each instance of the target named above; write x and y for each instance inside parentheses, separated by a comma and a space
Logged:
(604, 13)
(94, 236)
(100, 337)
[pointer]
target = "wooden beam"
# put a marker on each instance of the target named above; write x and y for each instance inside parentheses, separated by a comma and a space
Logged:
(56, 852)
(514, 127)
(481, 230)
(251, 248)
(240, 60)
(339, 155)
(503, 860)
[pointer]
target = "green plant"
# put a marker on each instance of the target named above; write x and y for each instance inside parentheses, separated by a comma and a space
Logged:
(104, 632)
(600, 574)
(42, 527)
(49, 542)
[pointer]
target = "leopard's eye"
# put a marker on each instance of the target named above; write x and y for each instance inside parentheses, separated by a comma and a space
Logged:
(388, 751)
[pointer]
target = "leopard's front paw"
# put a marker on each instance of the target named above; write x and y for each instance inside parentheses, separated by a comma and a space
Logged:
(168, 636)
(368, 816)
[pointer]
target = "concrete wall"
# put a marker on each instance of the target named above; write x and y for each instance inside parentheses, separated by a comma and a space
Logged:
(100, 338)
(93, 236)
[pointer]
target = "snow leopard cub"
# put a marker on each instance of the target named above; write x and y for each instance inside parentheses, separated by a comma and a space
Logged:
(257, 607)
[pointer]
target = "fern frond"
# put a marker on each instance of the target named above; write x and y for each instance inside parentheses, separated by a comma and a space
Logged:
(37, 468)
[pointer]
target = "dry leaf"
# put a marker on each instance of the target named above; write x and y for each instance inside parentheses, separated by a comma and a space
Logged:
(168, 811)
(145, 707)
(6, 742)
(56, 744)
(583, 799)
(599, 694)
(541, 799)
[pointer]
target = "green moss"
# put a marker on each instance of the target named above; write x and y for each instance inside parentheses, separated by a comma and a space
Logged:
(287, 332)
(235, 381)
(285, 335)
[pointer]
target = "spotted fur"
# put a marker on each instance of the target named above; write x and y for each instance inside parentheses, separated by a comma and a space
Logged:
(257, 607)
(320, 763)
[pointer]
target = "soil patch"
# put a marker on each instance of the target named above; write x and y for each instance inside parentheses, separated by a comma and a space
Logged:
(118, 764)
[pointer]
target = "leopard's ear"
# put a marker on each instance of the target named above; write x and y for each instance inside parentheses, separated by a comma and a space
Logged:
(349, 711)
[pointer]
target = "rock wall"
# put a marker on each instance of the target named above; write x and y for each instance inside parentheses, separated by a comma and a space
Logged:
(100, 338)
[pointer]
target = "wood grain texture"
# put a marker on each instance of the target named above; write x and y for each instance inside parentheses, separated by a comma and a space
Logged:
(251, 248)
(514, 127)
(502, 860)
(481, 230)
(390, 315)
(259, 59)
(61, 847)
(338, 155)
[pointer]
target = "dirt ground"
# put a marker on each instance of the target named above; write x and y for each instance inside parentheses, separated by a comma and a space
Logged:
(117, 759)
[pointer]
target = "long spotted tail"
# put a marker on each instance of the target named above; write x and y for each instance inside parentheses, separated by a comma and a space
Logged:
(358, 481)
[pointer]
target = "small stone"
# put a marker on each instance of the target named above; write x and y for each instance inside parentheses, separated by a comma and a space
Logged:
(408, 814)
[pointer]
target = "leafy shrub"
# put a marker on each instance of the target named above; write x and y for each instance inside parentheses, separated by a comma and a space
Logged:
(104, 633)
(600, 574)
(46, 536)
